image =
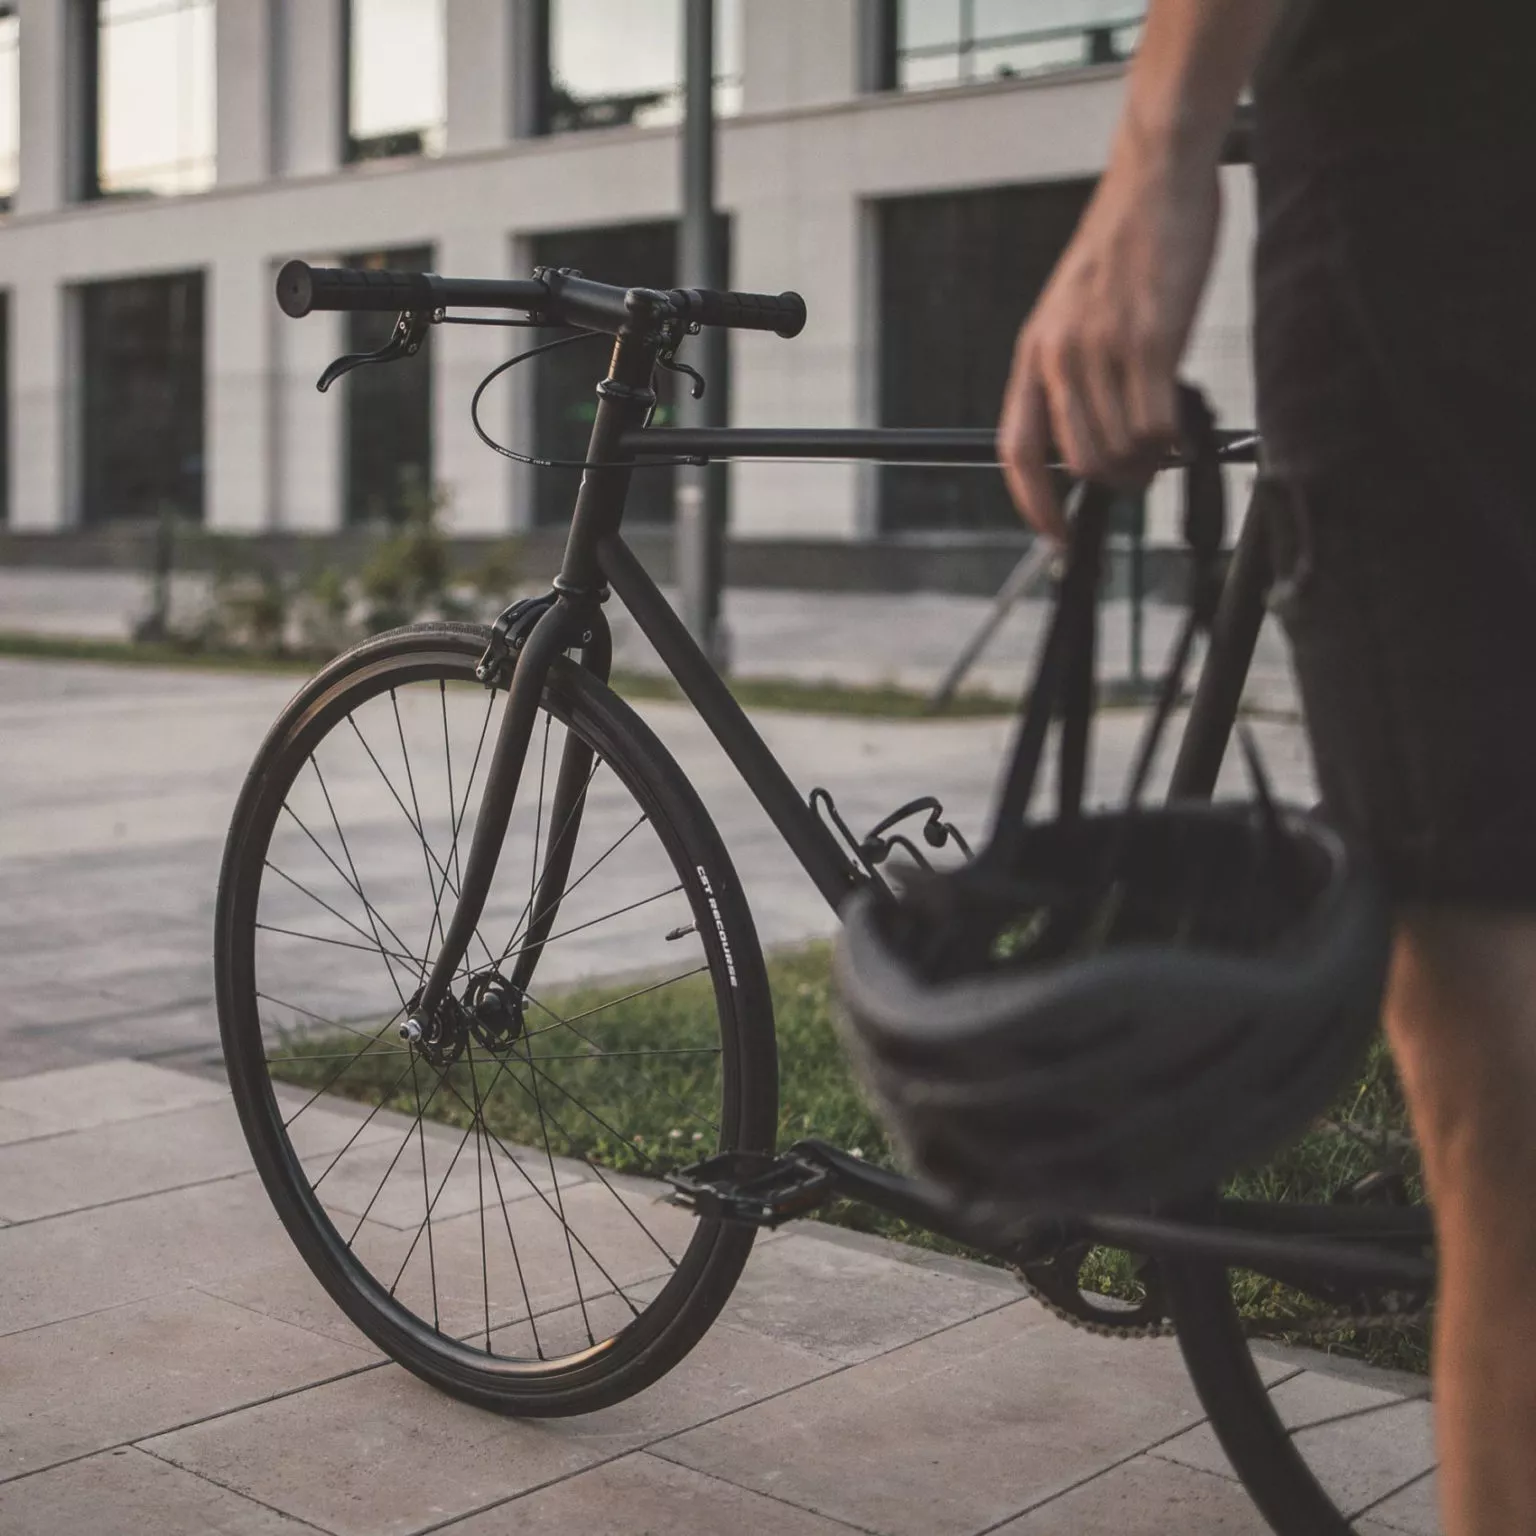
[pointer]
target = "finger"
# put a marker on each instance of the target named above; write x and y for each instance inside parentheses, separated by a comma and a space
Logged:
(1023, 442)
(1151, 395)
(1074, 422)
(1103, 386)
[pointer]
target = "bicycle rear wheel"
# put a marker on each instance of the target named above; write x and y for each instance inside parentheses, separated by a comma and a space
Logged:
(484, 1205)
(1324, 1445)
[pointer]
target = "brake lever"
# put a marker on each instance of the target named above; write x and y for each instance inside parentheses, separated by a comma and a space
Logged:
(410, 330)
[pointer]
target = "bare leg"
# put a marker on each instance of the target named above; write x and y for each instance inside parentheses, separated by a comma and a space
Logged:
(1461, 1015)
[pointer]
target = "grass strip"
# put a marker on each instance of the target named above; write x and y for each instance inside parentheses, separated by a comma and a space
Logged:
(640, 1121)
(882, 701)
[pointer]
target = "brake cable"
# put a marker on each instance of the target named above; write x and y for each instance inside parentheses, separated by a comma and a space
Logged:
(534, 460)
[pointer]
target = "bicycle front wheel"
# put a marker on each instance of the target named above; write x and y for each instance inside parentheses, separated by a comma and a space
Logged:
(484, 1203)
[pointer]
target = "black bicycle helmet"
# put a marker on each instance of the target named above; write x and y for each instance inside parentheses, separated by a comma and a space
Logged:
(1105, 1010)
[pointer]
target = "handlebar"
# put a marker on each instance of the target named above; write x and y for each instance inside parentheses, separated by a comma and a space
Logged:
(557, 298)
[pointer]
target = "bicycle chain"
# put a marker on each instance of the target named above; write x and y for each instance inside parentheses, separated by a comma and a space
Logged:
(1252, 1328)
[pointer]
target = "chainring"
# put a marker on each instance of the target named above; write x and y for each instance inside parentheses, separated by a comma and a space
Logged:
(1055, 1281)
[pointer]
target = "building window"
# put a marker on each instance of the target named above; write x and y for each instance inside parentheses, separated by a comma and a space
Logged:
(958, 42)
(389, 412)
(565, 389)
(397, 78)
(142, 398)
(619, 63)
(10, 104)
(155, 79)
(958, 272)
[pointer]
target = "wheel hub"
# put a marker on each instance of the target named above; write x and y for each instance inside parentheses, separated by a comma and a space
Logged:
(490, 1011)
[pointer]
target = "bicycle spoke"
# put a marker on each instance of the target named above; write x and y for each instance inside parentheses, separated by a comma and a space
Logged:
(383, 1100)
(427, 855)
(572, 821)
(565, 933)
(309, 1013)
(602, 1178)
(320, 901)
(320, 938)
(549, 1157)
(671, 1098)
(314, 762)
(576, 1018)
(518, 932)
(501, 1146)
(340, 1072)
(398, 1154)
(485, 1266)
(421, 837)
(372, 911)
(421, 1137)
(501, 1200)
(596, 1055)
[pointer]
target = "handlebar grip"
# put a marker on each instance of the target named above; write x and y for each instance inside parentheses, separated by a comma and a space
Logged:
(302, 288)
(782, 313)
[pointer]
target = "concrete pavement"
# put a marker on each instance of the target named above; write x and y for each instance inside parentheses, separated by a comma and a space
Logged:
(168, 1365)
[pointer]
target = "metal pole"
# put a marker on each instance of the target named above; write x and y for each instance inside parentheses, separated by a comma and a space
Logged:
(699, 538)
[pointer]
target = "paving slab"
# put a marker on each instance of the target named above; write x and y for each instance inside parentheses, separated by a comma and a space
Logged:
(122, 1374)
(52, 1175)
(85, 1261)
(1145, 1497)
(850, 1302)
(104, 1093)
(126, 1492)
(956, 1432)
(1364, 1443)
(640, 1495)
(385, 1454)
(1415, 1510)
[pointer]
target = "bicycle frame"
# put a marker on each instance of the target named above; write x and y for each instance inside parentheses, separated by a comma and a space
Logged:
(1310, 1241)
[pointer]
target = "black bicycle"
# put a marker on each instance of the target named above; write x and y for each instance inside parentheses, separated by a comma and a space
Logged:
(452, 829)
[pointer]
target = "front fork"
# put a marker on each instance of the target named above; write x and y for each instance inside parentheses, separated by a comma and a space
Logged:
(571, 618)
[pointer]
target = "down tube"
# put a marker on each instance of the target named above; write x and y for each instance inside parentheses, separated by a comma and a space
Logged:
(808, 839)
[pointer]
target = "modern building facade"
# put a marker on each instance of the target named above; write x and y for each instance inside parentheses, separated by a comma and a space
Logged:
(911, 166)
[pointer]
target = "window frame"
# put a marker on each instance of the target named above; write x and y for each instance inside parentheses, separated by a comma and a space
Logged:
(88, 57)
(350, 141)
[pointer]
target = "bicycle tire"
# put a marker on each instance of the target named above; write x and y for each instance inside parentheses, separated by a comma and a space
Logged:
(1262, 1449)
(668, 1323)
(1227, 1381)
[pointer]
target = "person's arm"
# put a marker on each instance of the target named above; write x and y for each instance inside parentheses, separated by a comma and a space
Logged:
(1094, 370)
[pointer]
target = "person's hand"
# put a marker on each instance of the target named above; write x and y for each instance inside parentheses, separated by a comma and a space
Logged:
(1095, 367)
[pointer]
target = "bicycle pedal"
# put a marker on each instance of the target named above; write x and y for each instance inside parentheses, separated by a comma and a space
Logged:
(755, 1189)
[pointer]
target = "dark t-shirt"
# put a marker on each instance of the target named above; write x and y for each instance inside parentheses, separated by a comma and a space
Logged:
(1362, 77)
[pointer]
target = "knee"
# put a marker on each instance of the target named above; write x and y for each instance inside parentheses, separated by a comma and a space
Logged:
(1461, 1017)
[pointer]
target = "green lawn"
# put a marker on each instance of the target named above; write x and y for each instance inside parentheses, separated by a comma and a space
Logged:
(655, 1109)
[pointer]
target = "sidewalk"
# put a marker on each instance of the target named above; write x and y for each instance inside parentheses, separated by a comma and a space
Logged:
(906, 638)
(169, 1366)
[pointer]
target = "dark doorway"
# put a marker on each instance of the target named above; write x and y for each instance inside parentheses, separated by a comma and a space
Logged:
(958, 272)
(142, 398)
(389, 411)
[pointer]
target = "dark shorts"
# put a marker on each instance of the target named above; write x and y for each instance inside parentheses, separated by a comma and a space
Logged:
(1396, 362)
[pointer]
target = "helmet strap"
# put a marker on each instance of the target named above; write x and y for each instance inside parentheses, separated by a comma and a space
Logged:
(1062, 686)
